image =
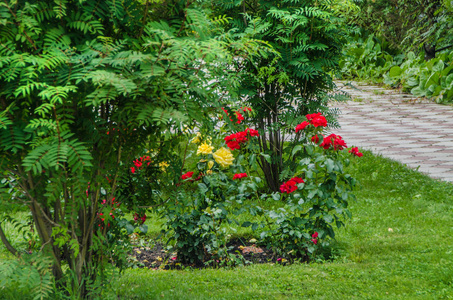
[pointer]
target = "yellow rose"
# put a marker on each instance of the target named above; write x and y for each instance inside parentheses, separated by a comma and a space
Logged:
(223, 157)
(204, 149)
(210, 164)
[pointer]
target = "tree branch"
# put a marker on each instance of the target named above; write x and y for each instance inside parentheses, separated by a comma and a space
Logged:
(6, 242)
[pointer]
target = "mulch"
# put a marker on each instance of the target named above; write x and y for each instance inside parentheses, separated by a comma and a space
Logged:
(156, 256)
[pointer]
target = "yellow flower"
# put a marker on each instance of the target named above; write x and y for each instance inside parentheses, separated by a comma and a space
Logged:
(204, 149)
(209, 172)
(223, 157)
(210, 164)
(163, 166)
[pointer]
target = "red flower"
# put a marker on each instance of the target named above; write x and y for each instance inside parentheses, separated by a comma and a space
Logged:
(333, 140)
(302, 126)
(288, 187)
(314, 238)
(355, 151)
(252, 132)
(142, 218)
(317, 120)
(235, 139)
(239, 175)
(291, 185)
(138, 163)
(315, 139)
(245, 109)
(239, 117)
(132, 170)
(233, 145)
(226, 112)
(187, 175)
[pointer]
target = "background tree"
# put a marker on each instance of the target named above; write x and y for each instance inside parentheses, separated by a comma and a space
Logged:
(295, 80)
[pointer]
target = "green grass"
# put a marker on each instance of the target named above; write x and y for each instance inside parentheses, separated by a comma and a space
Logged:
(398, 245)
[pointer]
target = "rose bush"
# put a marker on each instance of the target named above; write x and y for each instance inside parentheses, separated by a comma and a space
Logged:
(301, 218)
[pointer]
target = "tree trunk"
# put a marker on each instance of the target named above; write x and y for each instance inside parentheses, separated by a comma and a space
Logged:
(430, 51)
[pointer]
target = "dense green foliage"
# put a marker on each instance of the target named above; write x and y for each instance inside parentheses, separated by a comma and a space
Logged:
(404, 46)
(408, 24)
(372, 60)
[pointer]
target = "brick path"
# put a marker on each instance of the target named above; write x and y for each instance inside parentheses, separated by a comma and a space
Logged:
(415, 132)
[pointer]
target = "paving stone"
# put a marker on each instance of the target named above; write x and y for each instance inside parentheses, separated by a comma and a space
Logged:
(413, 131)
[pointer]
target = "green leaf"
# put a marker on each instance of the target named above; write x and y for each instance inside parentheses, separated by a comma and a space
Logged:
(296, 149)
(143, 228)
(203, 188)
(129, 228)
(395, 71)
(267, 157)
(328, 218)
(246, 224)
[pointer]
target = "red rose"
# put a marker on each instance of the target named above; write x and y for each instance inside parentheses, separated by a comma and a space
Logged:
(302, 126)
(317, 119)
(234, 140)
(355, 151)
(333, 140)
(339, 143)
(137, 163)
(291, 185)
(239, 175)
(314, 235)
(187, 175)
(315, 139)
(315, 241)
(288, 187)
(252, 132)
(239, 117)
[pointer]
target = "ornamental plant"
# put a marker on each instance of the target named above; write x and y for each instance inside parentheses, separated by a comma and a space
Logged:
(311, 202)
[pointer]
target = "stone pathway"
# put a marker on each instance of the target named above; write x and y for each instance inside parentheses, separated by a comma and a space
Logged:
(415, 132)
